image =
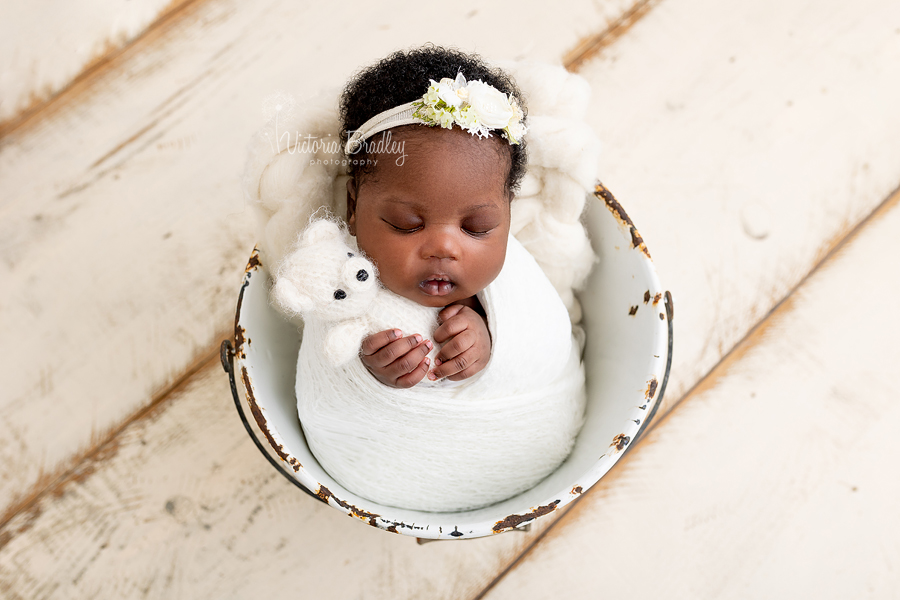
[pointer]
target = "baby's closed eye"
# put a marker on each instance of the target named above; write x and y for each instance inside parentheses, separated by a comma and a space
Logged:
(404, 224)
(479, 226)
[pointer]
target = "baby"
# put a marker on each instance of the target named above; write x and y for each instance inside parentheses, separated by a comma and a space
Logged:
(435, 139)
(435, 217)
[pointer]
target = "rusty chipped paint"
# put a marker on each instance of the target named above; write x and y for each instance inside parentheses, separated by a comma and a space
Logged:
(239, 341)
(324, 494)
(576, 490)
(263, 425)
(254, 263)
(616, 209)
(633, 310)
(620, 441)
(671, 306)
(513, 521)
(662, 316)
(646, 296)
(392, 529)
(239, 332)
(657, 298)
(651, 388)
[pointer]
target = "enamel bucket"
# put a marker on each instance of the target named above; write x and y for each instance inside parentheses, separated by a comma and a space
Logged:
(627, 356)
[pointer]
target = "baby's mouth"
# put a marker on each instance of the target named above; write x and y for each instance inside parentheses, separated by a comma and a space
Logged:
(437, 285)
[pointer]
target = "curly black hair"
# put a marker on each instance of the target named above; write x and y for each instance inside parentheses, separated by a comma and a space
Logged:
(403, 77)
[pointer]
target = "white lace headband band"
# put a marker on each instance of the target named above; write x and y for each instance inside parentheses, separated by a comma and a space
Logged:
(474, 106)
(395, 117)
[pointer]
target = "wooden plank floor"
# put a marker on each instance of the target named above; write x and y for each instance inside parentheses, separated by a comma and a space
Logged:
(777, 479)
(122, 231)
(85, 34)
(745, 142)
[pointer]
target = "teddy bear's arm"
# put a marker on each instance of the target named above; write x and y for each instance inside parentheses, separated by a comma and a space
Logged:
(343, 340)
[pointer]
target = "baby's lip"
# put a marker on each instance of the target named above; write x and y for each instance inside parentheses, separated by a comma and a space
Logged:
(437, 284)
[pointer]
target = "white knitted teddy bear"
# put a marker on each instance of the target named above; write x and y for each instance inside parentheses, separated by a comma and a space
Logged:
(327, 282)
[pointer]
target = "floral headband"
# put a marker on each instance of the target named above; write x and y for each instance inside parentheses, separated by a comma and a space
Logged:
(473, 105)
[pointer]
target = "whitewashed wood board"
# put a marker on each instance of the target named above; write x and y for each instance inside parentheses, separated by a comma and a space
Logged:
(745, 140)
(122, 230)
(682, 243)
(44, 45)
(185, 507)
(776, 480)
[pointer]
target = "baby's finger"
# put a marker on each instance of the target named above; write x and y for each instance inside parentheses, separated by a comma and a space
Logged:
(475, 367)
(411, 379)
(449, 311)
(377, 341)
(456, 346)
(450, 327)
(392, 352)
(408, 362)
(458, 367)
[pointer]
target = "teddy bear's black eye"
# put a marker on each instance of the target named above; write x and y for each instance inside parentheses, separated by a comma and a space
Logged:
(340, 294)
(349, 255)
(362, 275)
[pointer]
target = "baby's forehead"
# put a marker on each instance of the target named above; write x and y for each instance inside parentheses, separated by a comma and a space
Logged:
(419, 151)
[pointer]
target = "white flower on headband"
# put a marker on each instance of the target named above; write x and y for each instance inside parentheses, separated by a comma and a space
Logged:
(474, 105)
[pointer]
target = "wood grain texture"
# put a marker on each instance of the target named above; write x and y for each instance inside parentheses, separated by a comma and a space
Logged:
(45, 45)
(142, 510)
(122, 227)
(183, 506)
(686, 175)
(777, 481)
(745, 141)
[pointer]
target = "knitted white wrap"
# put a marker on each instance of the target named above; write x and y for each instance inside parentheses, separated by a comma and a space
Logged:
(433, 447)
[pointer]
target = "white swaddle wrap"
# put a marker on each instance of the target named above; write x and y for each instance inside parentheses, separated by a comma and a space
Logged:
(459, 446)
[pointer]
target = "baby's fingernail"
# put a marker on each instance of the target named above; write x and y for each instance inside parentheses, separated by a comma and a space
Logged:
(428, 344)
(418, 338)
(396, 333)
(427, 361)
(437, 362)
(432, 376)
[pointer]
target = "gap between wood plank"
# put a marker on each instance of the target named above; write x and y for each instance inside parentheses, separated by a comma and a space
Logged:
(94, 68)
(594, 44)
(708, 381)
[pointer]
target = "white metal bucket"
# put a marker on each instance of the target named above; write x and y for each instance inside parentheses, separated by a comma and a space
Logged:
(628, 322)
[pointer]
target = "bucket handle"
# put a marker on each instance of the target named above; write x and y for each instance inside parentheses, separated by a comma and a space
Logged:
(226, 353)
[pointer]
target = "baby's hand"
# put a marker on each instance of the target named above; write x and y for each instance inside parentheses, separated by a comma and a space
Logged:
(469, 347)
(394, 360)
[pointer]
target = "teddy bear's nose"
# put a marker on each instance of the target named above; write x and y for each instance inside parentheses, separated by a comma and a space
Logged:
(362, 275)
(340, 294)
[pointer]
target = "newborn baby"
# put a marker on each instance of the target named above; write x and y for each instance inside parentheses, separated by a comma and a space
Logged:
(431, 210)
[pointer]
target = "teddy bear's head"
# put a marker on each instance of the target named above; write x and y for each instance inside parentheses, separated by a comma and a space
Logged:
(323, 277)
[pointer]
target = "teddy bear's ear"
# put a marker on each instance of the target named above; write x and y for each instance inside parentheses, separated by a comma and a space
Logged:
(322, 229)
(289, 297)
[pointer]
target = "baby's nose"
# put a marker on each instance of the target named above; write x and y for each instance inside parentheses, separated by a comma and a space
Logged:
(441, 244)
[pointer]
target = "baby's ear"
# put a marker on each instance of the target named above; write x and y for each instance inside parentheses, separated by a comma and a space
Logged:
(289, 297)
(320, 230)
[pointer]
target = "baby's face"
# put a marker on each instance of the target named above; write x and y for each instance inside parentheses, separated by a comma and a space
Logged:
(437, 225)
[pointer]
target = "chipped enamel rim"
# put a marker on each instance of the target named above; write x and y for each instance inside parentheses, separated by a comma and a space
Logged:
(628, 324)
